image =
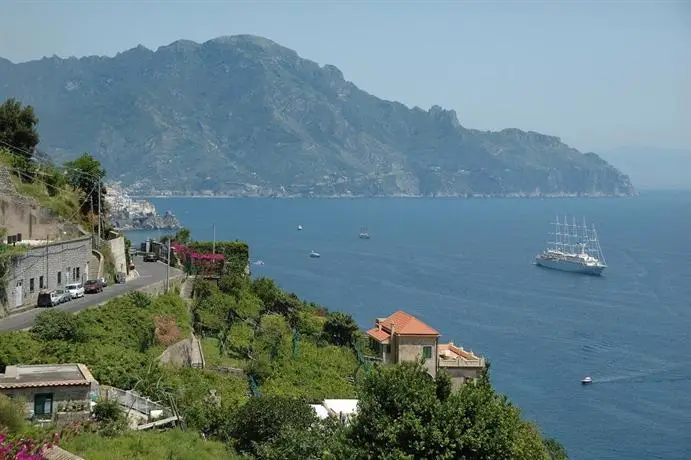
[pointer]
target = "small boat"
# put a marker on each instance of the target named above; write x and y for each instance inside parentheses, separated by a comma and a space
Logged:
(315, 255)
(587, 381)
(363, 233)
(259, 262)
(299, 227)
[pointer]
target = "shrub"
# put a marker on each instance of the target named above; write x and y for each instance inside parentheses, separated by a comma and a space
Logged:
(340, 329)
(261, 420)
(58, 325)
(11, 415)
(139, 299)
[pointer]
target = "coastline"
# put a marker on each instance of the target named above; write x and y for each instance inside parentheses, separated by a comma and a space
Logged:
(401, 196)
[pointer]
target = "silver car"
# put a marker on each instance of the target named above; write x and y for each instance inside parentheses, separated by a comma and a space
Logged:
(63, 295)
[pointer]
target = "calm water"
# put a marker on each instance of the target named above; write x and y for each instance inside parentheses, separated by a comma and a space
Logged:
(465, 267)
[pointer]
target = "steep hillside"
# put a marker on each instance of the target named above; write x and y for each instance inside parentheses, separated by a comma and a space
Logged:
(243, 115)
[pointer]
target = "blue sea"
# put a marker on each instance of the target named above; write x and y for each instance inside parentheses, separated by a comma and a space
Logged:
(465, 267)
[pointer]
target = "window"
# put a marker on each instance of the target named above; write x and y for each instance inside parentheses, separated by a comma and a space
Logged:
(76, 276)
(59, 278)
(43, 404)
(69, 272)
(40, 282)
(31, 285)
(427, 352)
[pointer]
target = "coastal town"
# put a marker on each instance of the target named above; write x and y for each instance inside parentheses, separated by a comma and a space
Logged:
(127, 213)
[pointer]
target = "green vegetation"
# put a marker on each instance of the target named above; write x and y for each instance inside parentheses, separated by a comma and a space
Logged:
(70, 191)
(46, 184)
(173, 445)
(237, 253)
(18, 129)
(286, 353)
(86, 174)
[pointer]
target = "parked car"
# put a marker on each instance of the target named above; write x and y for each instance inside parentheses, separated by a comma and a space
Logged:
(65, 296)
(75, 289)
(103, 281)
(48, 299)
(120, 277)
(150, 257)
(93, 286)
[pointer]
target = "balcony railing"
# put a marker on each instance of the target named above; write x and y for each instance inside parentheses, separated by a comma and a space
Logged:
(460, 362)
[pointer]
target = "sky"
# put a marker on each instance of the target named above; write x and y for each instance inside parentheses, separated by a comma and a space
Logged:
(600, 75)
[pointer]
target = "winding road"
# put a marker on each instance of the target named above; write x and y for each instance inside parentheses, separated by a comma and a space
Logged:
(149, 273)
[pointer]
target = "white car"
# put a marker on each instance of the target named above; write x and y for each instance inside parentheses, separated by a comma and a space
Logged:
(76, 290)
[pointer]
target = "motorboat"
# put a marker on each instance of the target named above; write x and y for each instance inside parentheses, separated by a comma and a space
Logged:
(315, 255)
(299, 227)
(587, 381)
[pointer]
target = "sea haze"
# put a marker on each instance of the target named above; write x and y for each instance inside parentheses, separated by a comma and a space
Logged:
(465, 267)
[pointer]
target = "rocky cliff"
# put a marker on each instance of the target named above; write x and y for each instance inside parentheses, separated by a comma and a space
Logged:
(243, 115)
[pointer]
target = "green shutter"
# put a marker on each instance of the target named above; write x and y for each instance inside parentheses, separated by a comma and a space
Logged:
(427, 352)
(43, 404)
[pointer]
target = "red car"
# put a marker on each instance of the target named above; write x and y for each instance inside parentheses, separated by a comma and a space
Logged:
(93, 286)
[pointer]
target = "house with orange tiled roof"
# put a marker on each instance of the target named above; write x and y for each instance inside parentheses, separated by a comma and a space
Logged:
(402, 337)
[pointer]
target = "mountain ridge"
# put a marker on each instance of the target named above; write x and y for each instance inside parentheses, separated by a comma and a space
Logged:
(243, 115)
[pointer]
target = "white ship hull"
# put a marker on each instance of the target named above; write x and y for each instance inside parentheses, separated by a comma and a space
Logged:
(569, 266)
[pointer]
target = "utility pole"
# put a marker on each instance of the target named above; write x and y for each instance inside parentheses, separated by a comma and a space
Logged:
(45, 285)
(99, 208)
(213, 245)
(91, 198)
(168, 268)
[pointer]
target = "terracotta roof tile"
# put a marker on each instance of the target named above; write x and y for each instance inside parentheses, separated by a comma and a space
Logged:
(380, 336)
(406, 324)
(56, 383)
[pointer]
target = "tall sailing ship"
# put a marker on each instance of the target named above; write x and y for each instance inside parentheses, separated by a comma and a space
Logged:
(575, 248)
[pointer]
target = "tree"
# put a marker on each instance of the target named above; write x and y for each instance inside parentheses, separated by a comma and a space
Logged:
(340, 328)
(267, 291)
(261, 421)
(555, 450)
(18, 129)
(58, 325)
(182, 236)
(232, 284)
(404, 413)
(86, 174)
(323, 441)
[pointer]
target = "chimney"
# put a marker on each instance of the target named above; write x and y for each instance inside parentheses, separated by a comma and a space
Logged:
(393, 325)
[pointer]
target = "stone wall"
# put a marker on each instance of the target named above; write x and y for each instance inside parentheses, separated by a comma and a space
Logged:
(19, 215)
(160, 287)
(117, 248)
(50, 266)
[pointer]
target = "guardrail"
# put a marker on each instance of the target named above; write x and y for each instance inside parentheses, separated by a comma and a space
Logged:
(131, 400)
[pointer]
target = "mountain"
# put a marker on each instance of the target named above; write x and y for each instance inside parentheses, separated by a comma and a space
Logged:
(243, 115)
(654, 168)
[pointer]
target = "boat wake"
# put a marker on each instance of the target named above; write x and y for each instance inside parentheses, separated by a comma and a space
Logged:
(654, 376)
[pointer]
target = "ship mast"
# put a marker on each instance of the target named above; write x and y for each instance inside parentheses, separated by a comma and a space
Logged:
(556, 244)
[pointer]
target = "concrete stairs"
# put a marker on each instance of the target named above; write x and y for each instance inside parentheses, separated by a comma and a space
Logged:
(95, 265)
(56, 453)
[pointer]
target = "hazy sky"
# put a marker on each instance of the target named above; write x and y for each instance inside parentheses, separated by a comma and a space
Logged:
(598, 74)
